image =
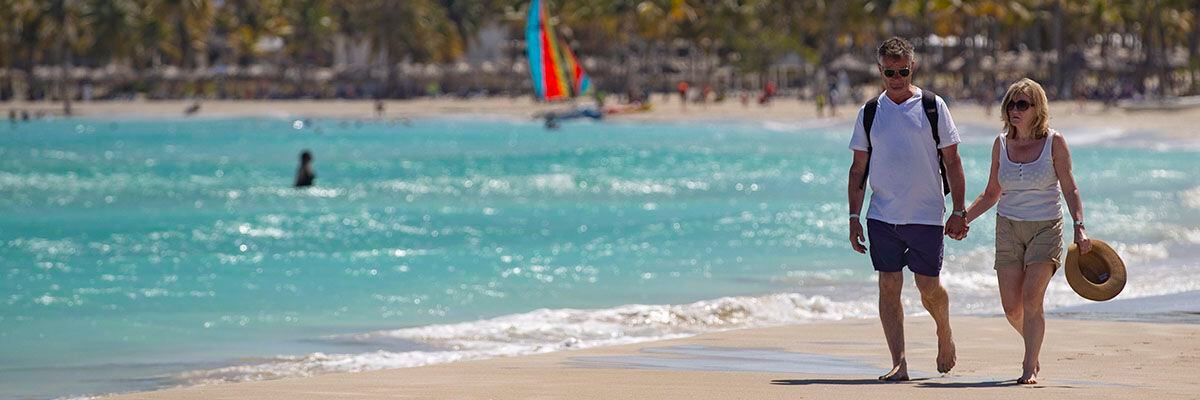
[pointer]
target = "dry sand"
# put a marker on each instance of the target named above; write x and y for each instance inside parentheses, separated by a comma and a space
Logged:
(1064, 115)
(1080, 360)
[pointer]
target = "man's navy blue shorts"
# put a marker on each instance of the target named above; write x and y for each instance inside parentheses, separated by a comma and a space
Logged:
(893, 247)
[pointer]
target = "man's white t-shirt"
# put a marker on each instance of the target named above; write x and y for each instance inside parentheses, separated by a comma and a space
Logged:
(906, 183)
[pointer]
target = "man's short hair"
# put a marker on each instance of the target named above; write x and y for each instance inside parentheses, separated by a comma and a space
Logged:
(896, 47)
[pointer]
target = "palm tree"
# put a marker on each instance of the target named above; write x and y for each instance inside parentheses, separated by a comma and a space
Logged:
(308, 43)
(15, 13)
(414, 30)
(60, 23)
(189, 22)
(109, 23)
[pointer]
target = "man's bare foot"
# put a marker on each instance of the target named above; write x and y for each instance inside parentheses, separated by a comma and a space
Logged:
(946, 354)
(1030, 379)
(897, 374)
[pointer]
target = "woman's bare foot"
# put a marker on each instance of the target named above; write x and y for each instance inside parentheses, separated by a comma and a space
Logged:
(946, 354)
(898, 373)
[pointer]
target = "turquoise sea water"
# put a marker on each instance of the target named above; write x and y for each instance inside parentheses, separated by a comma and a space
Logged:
(145, 253)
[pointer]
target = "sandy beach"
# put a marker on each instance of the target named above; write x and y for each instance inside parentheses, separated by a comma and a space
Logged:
(1081, 360)
(1064, 115)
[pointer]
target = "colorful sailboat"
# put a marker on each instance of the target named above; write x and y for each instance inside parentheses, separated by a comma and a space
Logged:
(556, 72)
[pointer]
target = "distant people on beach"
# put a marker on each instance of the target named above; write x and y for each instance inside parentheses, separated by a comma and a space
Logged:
(911, 167)
(682, 88)
(192, 109)
(820, 103)
(1030, 171)
(378, 108)
(12, 117)
(304, 173)
(768, 93)
(835, 96)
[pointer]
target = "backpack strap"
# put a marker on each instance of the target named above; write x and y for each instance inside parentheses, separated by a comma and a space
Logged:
(868, 120)
(929, 103)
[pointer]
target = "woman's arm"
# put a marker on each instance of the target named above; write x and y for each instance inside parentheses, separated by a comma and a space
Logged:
(1066, 180)
(991, 194)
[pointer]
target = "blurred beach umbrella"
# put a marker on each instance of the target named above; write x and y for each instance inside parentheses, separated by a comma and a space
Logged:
(850, 63)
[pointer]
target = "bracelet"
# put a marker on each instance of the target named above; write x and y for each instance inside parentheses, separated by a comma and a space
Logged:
(854, 216)
(1079, 224)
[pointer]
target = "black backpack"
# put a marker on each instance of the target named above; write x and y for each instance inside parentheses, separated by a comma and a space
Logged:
(929, 103)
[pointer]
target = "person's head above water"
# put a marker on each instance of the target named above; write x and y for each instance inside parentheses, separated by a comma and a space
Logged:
(305, 157)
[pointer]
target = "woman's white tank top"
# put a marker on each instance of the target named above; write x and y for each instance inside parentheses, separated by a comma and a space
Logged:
(1029, 191)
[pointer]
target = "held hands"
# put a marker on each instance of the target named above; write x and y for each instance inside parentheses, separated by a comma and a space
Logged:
(956, 227)
(856, 236)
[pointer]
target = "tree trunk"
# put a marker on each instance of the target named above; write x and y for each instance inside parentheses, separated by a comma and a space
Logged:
(1194, 49)
(64, 92)
(1166, 80)
(1146, 37)
(185, 40)
(1060, 53)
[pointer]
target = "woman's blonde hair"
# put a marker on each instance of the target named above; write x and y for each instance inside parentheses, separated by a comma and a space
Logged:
(1040, 108)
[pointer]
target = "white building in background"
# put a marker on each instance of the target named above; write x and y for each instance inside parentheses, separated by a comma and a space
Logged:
(491, 44)
(351, 53)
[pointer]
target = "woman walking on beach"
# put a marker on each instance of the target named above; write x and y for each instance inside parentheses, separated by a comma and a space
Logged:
(1030, 162)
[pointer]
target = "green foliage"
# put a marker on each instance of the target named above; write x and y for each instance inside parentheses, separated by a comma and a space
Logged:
(747, 34)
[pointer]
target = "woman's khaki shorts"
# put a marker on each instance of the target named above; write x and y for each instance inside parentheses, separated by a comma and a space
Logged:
(1020, 243)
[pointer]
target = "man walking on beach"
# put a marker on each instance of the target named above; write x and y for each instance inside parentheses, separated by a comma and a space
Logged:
(911, 155)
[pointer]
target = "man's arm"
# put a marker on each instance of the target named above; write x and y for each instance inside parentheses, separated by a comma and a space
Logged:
(855, 191)
(956, 224)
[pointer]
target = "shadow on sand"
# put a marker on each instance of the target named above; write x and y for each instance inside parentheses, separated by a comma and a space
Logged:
(840, 381)
(920, 382)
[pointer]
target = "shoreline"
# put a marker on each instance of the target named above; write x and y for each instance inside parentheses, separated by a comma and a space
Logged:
(695, 353)
(829, 360)
(1064, 114)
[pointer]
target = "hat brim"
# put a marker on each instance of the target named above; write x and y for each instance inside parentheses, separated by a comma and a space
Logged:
(1098, 275)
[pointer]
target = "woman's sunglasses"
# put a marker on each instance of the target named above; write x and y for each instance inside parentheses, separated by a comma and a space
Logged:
(1020, 105)
(892, 72)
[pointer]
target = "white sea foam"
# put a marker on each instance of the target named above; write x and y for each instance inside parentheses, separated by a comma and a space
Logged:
(1092, 135)
(543, 331)
(557, 183)
(1191, 198)
(801, 126)
(969, 279)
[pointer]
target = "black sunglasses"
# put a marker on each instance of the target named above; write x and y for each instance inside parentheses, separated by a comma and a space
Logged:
(1020, 105)
(892, 72)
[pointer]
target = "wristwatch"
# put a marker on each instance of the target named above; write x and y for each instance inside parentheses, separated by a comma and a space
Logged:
(1079, 224)
(959, 213)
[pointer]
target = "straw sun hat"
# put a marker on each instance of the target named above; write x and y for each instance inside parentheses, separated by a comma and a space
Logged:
(1098, 275)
